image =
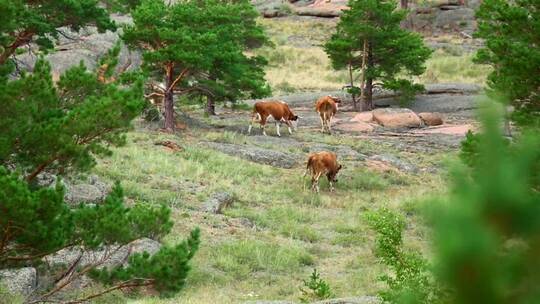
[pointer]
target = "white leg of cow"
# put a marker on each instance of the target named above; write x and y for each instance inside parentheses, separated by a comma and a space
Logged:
(322, 124)
(277, 129)
(264, 130)
(249, 128)
(330, 124)
(290, 131)
(332, 187)
(315, 182)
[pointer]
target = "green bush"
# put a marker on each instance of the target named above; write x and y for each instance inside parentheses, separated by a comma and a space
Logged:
(315, 289)
(410, 280)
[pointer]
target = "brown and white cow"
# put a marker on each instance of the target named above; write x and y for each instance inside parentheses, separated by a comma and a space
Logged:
(322, 163)
(275, 110)
(327, 108)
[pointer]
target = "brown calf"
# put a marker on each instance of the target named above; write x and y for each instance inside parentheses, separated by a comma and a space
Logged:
(279, 111)
(327, 107)
(322, 163)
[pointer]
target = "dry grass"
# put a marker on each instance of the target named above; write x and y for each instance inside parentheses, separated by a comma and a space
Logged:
(298, 62)
(296, 230)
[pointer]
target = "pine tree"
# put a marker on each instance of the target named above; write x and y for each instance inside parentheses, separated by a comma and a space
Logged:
(24, 22)
(512, 35)
(369, 38)
(198, 47)
(61, 127)
(487, 227)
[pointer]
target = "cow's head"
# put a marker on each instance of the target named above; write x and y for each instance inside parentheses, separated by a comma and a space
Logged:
(337, 100)
(294, 120)
(333, 173)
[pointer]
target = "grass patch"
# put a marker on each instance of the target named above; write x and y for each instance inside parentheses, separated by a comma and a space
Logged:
(443, 67)
(244, 258)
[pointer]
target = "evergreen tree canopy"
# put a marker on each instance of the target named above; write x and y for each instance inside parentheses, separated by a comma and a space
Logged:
(25, 21)
(198, 46)
(370, 32)
(63, 126)
(486, 230)
(511, 30)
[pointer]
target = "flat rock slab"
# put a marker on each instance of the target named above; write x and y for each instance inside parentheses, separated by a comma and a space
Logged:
(256, 155)
(355, 300)
(447, 129)
(343, 152)
(397, 118)
(262, 140)
(395, 161)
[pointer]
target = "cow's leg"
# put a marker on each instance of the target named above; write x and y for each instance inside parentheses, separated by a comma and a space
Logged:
(289, 126)
(331, 186)
(329, 124)
(321, 116)
(277, 129)
(253, 119)
(263, 124)
(315, 182)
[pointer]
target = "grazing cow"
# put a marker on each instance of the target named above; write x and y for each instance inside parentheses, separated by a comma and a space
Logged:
(279, 111)
(327, 107)
(322, 163)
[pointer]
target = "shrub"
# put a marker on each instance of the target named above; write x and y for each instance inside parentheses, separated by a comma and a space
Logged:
(315, 288)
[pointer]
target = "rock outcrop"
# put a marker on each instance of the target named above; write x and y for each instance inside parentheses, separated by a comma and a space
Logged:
(19, 281)
(218, 202)
(256, 155)
(396, 118)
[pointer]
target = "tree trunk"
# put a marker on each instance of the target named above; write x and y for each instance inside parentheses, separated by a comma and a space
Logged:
(363, 78)
(169, 103)
(368, 102)
(404, 4)
(352, 87)
(210, 106)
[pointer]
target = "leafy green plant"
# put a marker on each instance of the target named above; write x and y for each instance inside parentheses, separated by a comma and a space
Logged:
(510, 29)
(315, 288)
(411, 280)
(199, 48)
(369, 40)
(486, 229)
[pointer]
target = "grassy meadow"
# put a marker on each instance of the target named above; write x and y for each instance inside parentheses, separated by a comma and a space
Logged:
(277, 230)
(298, 62)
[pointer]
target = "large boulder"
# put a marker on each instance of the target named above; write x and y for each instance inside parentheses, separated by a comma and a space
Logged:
(19, 281)
(431, 119)
(256, 155)
(218, 202)
(396, 118)
(395, 162)
(461, 18)
(92, 191)
(119, 257)
(85, 46)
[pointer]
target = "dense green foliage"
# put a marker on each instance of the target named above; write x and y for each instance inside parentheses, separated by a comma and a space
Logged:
(511, 30)
(486, 230)
(65, 125)
(391, 52)
(39, 22)
(410, 280)
(198, 47)
(61, 128)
